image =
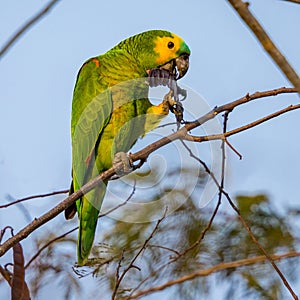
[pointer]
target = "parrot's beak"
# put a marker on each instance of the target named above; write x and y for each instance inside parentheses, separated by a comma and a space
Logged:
(177, 66)
(182, 65)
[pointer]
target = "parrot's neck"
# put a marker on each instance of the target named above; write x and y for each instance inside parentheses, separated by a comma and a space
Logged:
(120, 66)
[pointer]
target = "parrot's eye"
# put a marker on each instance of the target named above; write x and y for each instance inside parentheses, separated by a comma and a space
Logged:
(170, 45)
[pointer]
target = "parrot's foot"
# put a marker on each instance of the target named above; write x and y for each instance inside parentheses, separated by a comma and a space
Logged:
(174, 106)
(169, 101)
(122, 164)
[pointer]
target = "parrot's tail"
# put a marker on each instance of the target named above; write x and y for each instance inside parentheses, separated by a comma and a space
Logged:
(86, 235)
(88, 217)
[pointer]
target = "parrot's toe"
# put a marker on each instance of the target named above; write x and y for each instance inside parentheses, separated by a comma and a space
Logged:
(122, 164)
(169, 100)
(174, 106)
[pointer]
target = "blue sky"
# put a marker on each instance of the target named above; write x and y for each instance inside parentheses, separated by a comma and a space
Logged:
(38, 74)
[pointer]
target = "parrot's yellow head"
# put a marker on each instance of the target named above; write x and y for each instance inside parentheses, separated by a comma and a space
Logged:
(158, 49)
(169, 47)
(172, 54)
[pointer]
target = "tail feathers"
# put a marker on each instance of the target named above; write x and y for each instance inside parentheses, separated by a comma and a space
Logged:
(88, 210)
(86, 234)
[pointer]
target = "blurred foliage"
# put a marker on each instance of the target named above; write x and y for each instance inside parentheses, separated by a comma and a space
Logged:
(50, 269)
(226, 241)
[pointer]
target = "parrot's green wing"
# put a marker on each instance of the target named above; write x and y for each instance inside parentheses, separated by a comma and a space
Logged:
(91, 111)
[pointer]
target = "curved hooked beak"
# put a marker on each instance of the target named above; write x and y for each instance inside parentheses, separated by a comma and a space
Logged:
(177, 66)
(182, 65)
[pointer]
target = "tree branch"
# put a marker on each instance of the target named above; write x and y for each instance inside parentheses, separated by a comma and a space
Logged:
(34, 197)
(293, 1)
(242, 9)
(223, 136)
(26, 26)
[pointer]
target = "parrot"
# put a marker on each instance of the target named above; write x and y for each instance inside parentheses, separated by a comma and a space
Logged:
(111, 110)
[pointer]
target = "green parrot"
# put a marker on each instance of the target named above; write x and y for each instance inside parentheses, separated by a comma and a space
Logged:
(111, 110)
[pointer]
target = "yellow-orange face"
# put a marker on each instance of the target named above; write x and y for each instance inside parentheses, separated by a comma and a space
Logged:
(169, 47)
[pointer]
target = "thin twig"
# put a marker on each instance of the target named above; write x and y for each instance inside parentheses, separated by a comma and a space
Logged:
(221, 187)
(233, 149)
(26, 26)
(227, 134)
(119, 267)
(121, 204)
(34, 197)
(294, 1)
(263, 120)
(7, 275)
(2, 232)
(232, 105)
(164, 248)
(269, 46)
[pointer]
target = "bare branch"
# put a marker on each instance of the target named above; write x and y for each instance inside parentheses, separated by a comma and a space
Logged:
(294, 1)
(165, 248)
(26, 26)
(34, 197)
(242, 9)
(121, 204)
(233, 149)
(2, 232)
(6, 275)
(216, 268)
(223, 136)
(262, 120)
(232, 105)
